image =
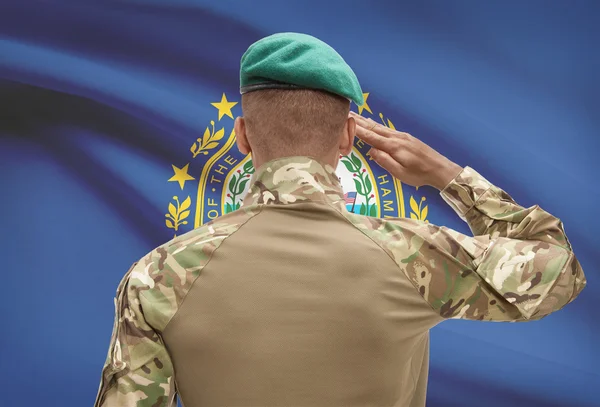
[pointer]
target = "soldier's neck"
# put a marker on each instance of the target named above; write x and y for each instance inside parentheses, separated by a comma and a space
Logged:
(329, 159)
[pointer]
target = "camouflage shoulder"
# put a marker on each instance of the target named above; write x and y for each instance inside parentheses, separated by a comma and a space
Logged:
(431, 257)
(165, 275)
(398, 237)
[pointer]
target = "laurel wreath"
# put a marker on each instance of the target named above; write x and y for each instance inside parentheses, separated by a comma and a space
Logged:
(208, 141)
(419, 212)
(177, 214)
(364, 186)
(179, 211)
(236, 186)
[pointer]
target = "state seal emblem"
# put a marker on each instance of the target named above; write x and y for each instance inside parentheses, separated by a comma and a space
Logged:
(213, 177)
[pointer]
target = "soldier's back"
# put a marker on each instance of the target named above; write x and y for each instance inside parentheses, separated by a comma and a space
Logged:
(297, 306)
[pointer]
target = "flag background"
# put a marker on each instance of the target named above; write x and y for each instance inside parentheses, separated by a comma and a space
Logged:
(97, 100)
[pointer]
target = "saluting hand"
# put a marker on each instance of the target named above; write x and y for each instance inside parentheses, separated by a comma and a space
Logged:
(404, 156)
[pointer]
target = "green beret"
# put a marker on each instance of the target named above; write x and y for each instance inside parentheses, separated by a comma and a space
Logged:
(297, 61)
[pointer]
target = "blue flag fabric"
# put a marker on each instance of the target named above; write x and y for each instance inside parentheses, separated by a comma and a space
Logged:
(116, 125)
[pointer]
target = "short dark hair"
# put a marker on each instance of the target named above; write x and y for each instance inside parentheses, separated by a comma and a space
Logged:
(285, 122)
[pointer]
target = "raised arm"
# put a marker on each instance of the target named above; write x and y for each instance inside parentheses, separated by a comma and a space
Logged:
(518, 266)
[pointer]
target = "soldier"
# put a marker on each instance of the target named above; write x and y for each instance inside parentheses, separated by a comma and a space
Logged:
(293, 300)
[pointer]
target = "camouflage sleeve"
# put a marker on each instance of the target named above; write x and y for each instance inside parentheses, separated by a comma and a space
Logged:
(519, 266)
(138, 370)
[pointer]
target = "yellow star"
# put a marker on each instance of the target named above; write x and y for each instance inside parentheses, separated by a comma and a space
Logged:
(364, 106)
(224, 107)
(181, 175)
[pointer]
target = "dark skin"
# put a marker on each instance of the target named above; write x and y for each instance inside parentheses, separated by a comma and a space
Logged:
(404, 156)
(331, 157)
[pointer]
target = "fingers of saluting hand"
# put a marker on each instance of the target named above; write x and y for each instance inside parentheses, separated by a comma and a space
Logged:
(373, 139)
(387, 161)
(373, 133)
(369, 124)
(382, 130)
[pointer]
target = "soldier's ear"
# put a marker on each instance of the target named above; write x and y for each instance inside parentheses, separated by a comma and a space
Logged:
(347, 139)
(240, 136)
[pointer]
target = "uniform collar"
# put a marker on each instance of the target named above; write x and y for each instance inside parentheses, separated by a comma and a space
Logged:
(295, 179)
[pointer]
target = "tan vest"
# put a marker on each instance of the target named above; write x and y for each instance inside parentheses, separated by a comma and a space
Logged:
(300, 308)
(294, 301)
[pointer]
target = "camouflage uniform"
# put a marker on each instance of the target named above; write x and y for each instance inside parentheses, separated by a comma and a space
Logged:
(293, 300)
